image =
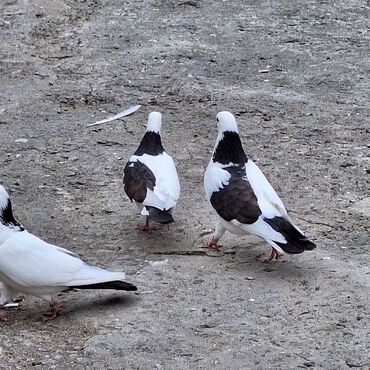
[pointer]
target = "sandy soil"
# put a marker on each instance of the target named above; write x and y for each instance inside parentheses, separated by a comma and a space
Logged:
(296, 74)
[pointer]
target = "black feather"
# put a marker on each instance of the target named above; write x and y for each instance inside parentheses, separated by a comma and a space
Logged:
(117, 285)
(230, 149)
(296, 241)
(157, 215)
(236, 200)
(150, 144)
(137, 179)
(7, 218)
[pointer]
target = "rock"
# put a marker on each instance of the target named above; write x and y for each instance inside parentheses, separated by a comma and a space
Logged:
(362, 207)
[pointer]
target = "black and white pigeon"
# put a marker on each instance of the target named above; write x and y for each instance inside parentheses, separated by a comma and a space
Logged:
(31, 266)
(150, 177)
(244, 199)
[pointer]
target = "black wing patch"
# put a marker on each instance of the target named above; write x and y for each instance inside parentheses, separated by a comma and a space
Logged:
(137, 179)
(237, 199)
(7, 218)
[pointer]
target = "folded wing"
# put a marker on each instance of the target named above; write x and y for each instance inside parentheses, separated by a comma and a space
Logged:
(31, 262)
(160, 184)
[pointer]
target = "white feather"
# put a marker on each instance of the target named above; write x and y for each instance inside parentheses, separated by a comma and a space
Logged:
(215, 178)
(260, 228)
(4, 197)
(268, 201)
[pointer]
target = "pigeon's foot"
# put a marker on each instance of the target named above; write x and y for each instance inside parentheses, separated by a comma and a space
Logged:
(2, 314)
(274, 255)
(211, 244)
(54, 311)
(145, 228)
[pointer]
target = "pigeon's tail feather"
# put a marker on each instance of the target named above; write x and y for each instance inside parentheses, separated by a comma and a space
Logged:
(157, 215)
(117, 285)
(296, 241)
(91, 277)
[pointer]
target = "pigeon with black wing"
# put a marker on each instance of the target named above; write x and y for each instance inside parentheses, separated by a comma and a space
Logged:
(244, 199)
(150, 177)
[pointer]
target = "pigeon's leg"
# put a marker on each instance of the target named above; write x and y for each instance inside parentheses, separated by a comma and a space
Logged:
(212, 244)
(273, 255)
(217, 235)
(54, 311)
(146, 227)
(2, 314)
(7, 294)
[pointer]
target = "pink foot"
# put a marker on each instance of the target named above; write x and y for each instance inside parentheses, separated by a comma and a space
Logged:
(145, 228)
(273, 255)
(2, 316)
(212, 244)
(53, 312)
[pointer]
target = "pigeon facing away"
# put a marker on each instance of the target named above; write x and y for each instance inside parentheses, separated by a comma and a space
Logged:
(244, 199)
(150, 177)
(31, 266)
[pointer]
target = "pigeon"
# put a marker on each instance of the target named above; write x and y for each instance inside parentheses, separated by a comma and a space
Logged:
(31, 266)
(150, 177)
(244, 199)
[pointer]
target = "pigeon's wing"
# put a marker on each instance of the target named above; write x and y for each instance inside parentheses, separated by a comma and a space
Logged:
(166, 190)
(138, 179)
(234, 199)
(63, 250)
(268, 201)
(31, 262)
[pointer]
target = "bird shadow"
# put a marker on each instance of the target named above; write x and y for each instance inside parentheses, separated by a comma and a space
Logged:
(251, 259)
(32, 308)
(99, 304)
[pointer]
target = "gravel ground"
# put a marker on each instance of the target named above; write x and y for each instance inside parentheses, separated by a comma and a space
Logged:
(296, 75)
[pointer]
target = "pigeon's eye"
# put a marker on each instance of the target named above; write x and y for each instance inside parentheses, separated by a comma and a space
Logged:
(217, 120)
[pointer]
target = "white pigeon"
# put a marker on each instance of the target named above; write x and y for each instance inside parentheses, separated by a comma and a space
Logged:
(150, 177)
(244, 199)
(31, 266)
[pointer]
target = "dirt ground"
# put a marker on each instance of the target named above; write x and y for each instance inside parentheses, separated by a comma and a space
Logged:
(296, 75)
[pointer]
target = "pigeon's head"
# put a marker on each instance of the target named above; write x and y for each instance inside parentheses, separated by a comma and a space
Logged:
(6, 213)
(154, 122)
(226, 122)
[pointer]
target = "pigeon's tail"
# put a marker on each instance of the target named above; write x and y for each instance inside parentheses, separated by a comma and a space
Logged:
(117, 285)
(157, 215)
(296, 241)
(91, 277)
